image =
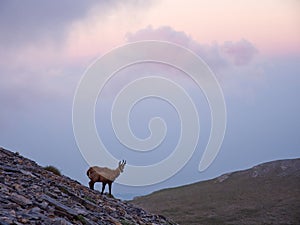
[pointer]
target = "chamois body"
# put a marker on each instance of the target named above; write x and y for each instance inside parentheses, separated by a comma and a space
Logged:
(104, 175)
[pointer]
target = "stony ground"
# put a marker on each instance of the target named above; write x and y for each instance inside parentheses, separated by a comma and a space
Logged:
(30, 194)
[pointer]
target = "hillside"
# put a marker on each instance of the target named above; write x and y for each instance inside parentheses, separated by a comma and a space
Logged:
(30, 194)
(265, 194)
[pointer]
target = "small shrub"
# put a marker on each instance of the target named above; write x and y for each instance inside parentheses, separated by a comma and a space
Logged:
(53, 170)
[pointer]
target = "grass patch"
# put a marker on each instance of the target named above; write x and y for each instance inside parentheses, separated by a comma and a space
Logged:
(53, 170)
(81, 219)
(126, 222)
(90, 199)
(110, 195)
(63, 190)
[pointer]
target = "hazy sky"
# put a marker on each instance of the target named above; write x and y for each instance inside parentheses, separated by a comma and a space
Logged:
(253, 48)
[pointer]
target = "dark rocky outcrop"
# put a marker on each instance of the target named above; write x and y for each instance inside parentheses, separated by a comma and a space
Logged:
(30, 194)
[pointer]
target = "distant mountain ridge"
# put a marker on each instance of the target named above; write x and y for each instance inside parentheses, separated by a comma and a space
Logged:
(268, 193)
(280, 168)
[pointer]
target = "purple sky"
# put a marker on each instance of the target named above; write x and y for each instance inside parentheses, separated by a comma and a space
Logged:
(46, 47)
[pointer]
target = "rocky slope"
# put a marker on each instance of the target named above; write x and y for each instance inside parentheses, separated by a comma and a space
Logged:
(30, 194)
(265, 194)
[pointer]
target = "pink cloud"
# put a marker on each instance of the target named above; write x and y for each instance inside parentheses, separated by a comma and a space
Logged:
(217, 56)
(240, 52)
(165, 33)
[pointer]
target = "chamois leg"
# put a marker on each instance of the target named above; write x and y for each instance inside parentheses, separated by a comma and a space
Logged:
(103, 187)
(109, 185)
(91, 184)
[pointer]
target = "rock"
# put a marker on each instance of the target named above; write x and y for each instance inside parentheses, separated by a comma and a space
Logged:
(27, 173)
(35, 210)
(9, 169)
(17, 187)
(5, 221)
(61, 221)
(44, 205)
(60, 207)
(2, 178)
(224, 177)
(12, 213)
(80, 211)
(23, 220)
(21, 200)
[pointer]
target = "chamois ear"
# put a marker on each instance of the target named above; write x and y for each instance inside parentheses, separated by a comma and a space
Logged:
(120, 163)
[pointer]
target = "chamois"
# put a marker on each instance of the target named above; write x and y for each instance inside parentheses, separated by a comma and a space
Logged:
(104, 175)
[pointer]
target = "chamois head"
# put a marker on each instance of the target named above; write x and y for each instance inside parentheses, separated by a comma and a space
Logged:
(122, 165)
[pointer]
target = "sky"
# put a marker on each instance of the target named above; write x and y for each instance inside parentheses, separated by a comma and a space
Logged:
(252, 48)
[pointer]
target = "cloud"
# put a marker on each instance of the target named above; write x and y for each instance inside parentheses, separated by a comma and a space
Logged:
(218, 56)
(43, 54)
(162, 33)
(37, 32)
(241, 52)
(27, 22)
(33, 33)
(236, 64)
